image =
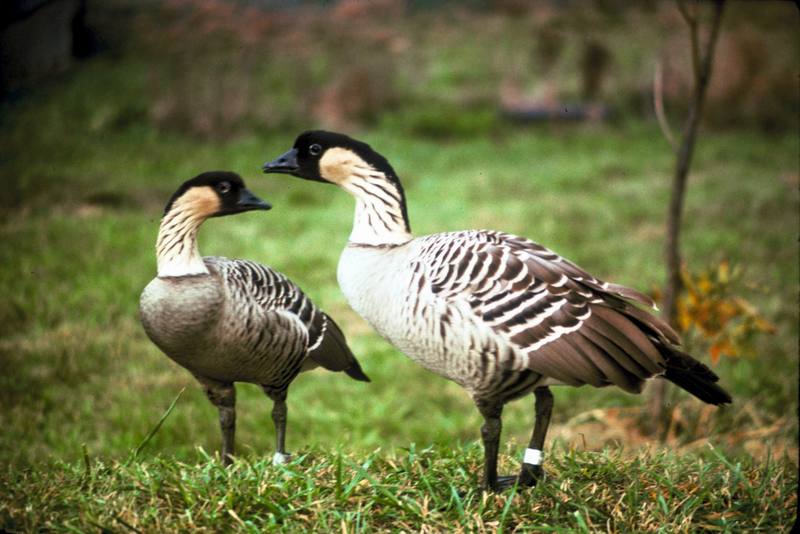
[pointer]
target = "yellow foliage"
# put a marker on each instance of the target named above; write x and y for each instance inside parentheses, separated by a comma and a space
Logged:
(709, 307)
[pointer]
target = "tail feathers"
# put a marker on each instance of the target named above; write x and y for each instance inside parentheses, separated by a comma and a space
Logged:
(334, 354)
(355, 372)
(693, 376)
(681, 369)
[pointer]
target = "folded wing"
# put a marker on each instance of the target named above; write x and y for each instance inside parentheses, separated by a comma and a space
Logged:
(562, 322)
(271, 291)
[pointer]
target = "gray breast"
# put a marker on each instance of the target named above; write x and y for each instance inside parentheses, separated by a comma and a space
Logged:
(242, 322)
(179, 313)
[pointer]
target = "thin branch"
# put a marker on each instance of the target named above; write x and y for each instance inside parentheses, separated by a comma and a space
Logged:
(702, 71)
(688, 17)
(691, 21)
(658, 104)
(712, 41)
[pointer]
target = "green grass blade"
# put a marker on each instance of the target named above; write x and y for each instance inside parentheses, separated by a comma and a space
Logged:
(160, 422)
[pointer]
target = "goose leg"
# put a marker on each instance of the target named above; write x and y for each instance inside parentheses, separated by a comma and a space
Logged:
(490, 432)
(279, 416)
(532, 472)
(223, 396)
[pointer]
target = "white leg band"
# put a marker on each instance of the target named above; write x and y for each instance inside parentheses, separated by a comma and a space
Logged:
(280, 458)
(532, 457)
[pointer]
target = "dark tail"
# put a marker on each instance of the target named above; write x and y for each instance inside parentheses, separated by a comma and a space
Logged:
(354, 371)
(691, 375)
(334, 354)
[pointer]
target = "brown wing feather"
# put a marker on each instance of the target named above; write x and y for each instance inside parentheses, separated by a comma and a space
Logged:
(607, 348)
(610, 368)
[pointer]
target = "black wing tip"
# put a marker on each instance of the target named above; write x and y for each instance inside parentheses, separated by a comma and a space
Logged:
(700, 386)
(714, 395)
(720, 397)
(356, 373)
(695, 377)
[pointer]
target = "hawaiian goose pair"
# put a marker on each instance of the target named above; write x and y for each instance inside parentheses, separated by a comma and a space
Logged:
(232, 321)
(496, 313)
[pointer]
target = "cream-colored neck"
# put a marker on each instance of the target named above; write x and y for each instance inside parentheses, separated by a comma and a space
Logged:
(176, 249)
(380, 215)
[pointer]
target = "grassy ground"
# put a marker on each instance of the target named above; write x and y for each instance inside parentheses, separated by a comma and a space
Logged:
(425, 490)
(82, 385)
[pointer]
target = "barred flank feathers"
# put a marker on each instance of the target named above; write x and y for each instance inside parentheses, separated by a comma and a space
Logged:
(557, 320)
(257, 288)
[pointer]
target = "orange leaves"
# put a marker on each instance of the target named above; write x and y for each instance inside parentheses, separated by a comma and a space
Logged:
(710, 311)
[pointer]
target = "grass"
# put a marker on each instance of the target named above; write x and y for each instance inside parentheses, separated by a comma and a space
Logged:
(85, 180)
(430, 489)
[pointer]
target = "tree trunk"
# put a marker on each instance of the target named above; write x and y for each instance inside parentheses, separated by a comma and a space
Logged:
(660, 413)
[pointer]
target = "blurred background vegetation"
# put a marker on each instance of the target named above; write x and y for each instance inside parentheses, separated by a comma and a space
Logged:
(534, 118)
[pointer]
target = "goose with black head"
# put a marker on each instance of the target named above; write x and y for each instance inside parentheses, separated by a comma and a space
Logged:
(229, 321)
(499, 314)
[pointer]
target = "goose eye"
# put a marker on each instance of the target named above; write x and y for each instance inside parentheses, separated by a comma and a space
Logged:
(314, 149)
(223, 187)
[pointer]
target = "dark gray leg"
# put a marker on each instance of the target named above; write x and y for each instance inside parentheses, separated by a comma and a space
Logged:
(530, 473)
(279, 416)
(490, 432)
(223, 396)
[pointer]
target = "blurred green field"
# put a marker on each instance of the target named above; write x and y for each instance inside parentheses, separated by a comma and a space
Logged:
(86, 175)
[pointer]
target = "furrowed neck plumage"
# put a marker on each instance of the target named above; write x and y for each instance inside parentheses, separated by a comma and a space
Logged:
(177, 253)
(380, 217)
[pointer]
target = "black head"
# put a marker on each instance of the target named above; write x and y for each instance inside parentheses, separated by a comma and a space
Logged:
(216, 193)
(327, 157)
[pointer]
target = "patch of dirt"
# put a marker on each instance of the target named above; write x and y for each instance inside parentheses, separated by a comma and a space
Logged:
(621, 427)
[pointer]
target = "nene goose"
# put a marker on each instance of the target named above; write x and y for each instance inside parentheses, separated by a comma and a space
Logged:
(496, 313)
(230, 321)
